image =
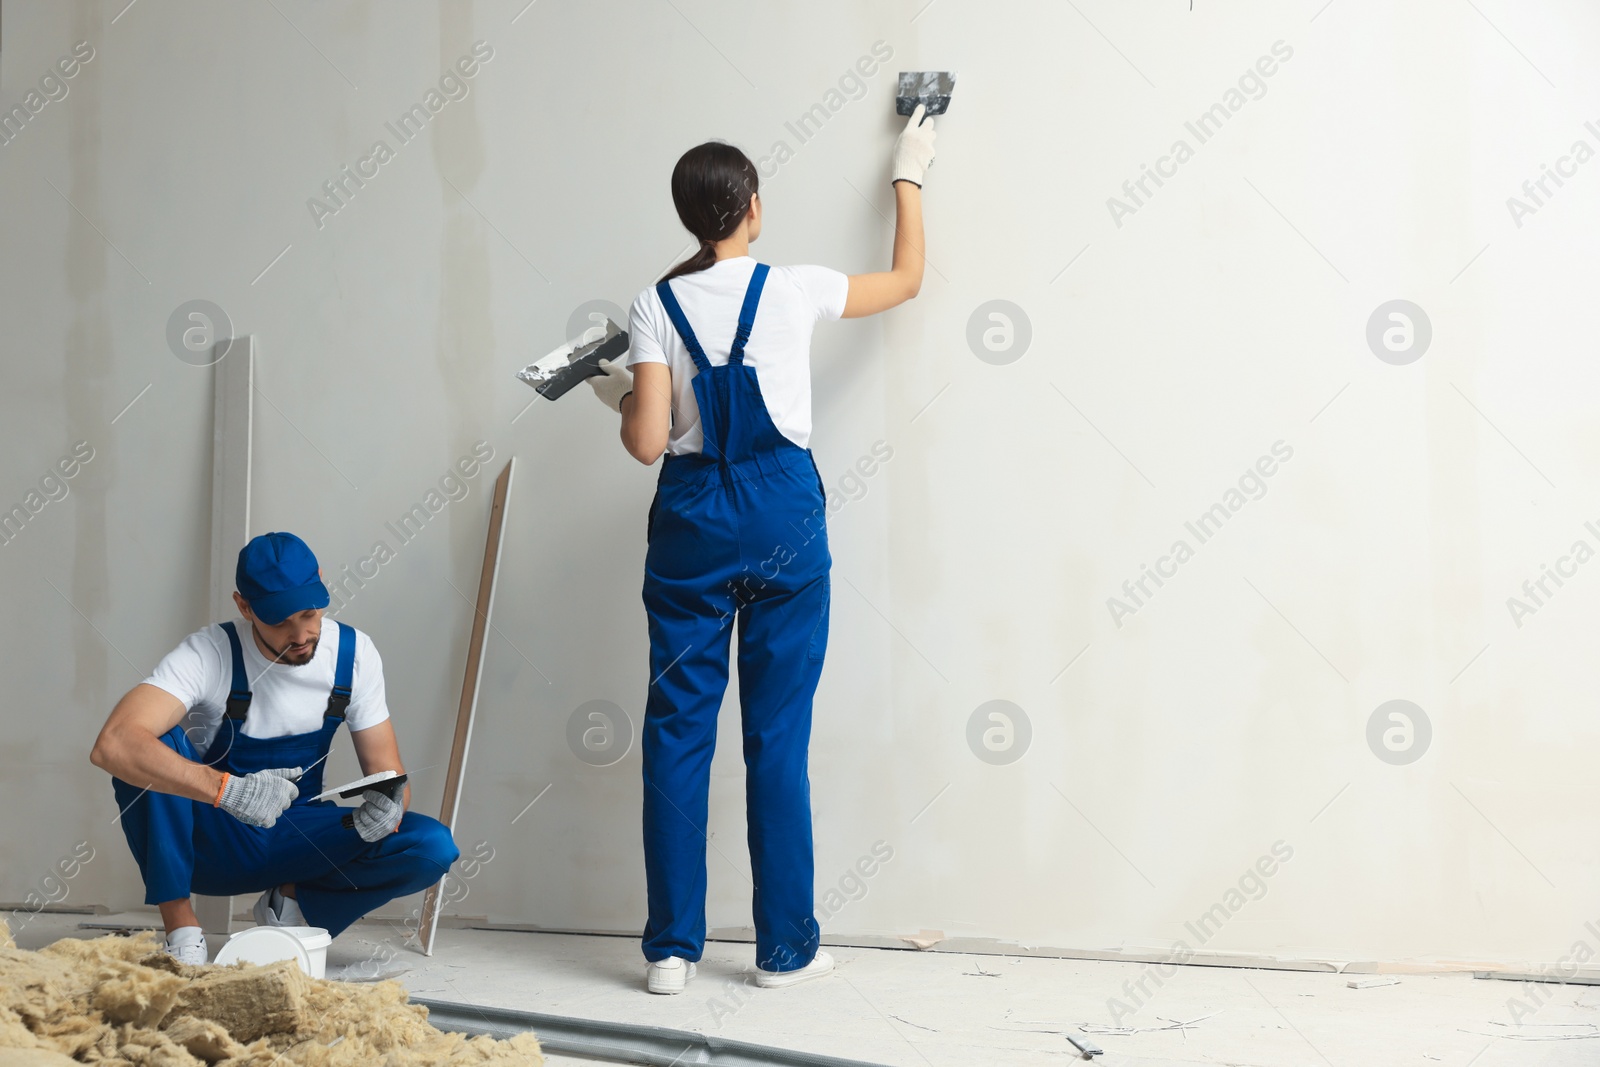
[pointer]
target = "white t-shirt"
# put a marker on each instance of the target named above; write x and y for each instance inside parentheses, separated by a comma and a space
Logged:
(793, 300)
(284, 699)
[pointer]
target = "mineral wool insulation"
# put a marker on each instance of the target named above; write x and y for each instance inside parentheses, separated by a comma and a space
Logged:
(122, 1001)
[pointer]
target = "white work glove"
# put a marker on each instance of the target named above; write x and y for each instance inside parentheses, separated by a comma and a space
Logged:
(613, 385)
(258, 799)
(378, 816)
(913, 149)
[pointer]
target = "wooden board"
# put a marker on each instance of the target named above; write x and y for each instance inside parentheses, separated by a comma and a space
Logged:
(231, 439)
(476, 650)
(233, 408)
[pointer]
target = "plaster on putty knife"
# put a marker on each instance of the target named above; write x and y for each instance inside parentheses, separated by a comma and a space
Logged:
(931, 88)
(576, 360)
(389, 779)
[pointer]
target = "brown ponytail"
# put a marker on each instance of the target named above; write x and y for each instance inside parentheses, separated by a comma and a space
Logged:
(712, 186)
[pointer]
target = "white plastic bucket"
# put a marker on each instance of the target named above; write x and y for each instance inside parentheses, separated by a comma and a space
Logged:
(306, 945)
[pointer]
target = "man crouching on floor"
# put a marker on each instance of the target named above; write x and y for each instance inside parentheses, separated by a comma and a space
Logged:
(215, 758)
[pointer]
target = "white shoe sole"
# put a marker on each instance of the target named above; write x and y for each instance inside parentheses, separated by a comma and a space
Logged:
(817, 968)
(668, 980)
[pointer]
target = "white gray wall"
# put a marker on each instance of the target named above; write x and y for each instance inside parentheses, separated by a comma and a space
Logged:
(1168, 353)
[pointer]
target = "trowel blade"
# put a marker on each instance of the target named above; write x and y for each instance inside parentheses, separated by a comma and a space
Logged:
(576, 360)
(929, 87)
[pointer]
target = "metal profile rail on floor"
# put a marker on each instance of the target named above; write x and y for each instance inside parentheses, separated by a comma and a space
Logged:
(657, 1046)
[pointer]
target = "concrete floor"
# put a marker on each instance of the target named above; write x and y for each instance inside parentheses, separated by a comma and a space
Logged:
(930, 1009)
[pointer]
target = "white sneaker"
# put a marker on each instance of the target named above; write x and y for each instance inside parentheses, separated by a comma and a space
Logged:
(669, 975)
(272, 908)
(187, 944)
(818, 967)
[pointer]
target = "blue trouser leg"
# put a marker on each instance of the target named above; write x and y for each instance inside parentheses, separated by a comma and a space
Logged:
(160, 831)
(338, 877)
(183, 847)
(782, 639)
(406, 861)
(712, 551)
(689, 661)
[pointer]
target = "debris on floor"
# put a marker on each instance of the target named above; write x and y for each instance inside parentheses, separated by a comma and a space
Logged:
(1181, 1025)
(121, 1001)
(1540, 1031)
(1371, 983)
(372, 970)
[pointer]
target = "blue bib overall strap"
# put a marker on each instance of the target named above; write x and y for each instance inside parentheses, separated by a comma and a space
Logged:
(681, 324)
(736, 531)
(236, 753)
(747, 313)
(239, 693)
(344, 672)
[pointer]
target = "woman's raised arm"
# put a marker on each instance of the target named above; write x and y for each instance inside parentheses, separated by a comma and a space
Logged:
(872, 293)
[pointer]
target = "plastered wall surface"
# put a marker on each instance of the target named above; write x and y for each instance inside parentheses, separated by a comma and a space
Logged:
(1212, 361)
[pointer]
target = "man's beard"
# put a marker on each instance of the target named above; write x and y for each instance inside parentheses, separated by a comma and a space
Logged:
(299, 659)
(303, 658)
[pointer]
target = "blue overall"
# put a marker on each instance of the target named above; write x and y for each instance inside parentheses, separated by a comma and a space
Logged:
(735, 531)
(186, 846)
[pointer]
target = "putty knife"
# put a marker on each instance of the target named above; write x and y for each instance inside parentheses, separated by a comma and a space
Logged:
(391, 780)
(1086, 1048)
(576, 360)
(931, 88)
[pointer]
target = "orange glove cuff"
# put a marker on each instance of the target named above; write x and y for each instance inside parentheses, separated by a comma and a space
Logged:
(217, 803)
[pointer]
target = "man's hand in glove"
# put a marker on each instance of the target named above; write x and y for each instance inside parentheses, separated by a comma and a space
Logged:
(379, 814)
(258, 799)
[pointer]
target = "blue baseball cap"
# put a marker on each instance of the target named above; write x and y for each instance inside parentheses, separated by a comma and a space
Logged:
(277, 576)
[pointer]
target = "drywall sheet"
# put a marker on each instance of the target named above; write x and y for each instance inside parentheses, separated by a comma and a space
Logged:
(1211, 536)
